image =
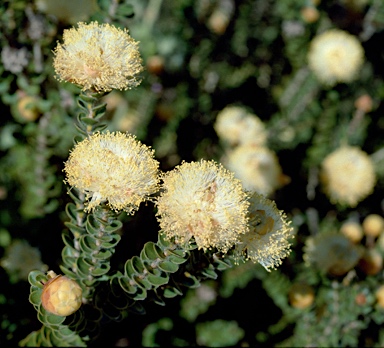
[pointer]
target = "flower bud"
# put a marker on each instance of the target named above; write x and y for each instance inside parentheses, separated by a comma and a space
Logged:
(61, 295)
(27, 108)
(373, 225)
(352, 230)
(379, 294)
(310, 14)
(372, 262)
(301, 295)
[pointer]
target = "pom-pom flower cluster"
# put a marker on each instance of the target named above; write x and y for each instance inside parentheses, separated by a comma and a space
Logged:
(335, 56)
(267, 241)
(348, 175)
(257, 167)
(98, 57)
(114, 168)
(235, 125)
(205, 201)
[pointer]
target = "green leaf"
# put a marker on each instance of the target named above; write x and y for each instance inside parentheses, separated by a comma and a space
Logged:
(126, 285)
(141, 294)
(111, 241)
(103, 255)
(125, 10)
(37, 278)
(35, 297)
(88, 121)
(102, 269)
(176, 259)
(150, 251)
(68, 273)
(100, 127)
(137, 264)
(143, 282)
(71, 211)
(129, 269)
(172, 292)
(168, 266)
(54, 319)
(68, 241)
(156, 281)
(114, 226)
(189, 281)
(74, 228)
(209, 273)
(83, 266)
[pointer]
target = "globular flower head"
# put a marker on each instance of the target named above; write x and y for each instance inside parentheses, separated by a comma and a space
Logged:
(335, 56)
(257, 167)
(267, 241)
(331, 253)
(235, 125)
(202, 201)
(98, 58)
(114, 168)
(348, 175)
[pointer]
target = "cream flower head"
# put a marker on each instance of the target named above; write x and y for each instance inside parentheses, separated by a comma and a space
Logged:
(348, 175)
(335, 56)
(257, 167)
(98, 57)
(113, 167)
(235, 125)
(204, 201)
(267, 241)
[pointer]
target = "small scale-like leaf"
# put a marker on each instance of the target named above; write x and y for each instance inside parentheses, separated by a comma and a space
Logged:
(83, 266)
(100, 127)
(71, 211)
(156, 281)
(113, 240)
(137, 308)
(87, 121)
(67, 239)
(126, 285)
(35, 297)
(223, 264)
(103, 255)
(168, 266)
(67, 272)
(114, 226)
(150, 251)
(92, 226)
(129, 269)
(189, 281)
(143, 282)
(37, 278)
(172, 292)
(176, 259)
(209, 273)
(140, 295)
(74, 228)
(54, 319)
(100, 270)
(137, 264)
